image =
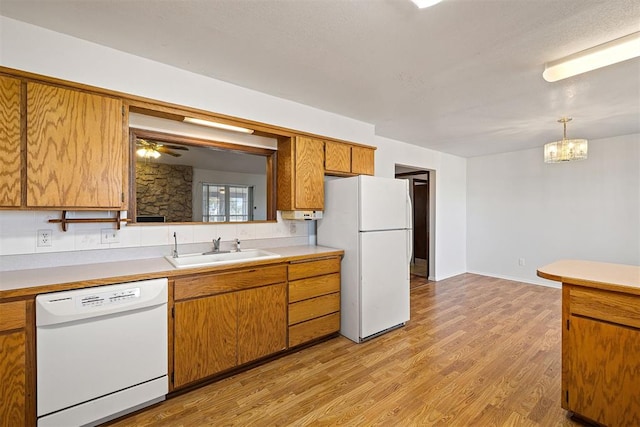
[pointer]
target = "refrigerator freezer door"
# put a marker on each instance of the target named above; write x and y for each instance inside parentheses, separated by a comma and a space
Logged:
(384, 281)
(384, 203)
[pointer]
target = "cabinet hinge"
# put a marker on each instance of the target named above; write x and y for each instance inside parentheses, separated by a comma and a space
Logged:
(122, 196)
(173, 312)
(172, 380)
(567, 324)
(566, 396)
(123, 110)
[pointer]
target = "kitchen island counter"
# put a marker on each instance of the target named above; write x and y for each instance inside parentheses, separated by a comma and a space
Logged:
(600, 339)
(598, 275)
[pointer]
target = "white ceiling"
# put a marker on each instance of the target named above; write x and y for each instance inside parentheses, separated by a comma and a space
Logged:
(463, 77)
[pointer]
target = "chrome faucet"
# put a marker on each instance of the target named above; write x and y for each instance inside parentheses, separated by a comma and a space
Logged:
(216, 248)
(175, 245)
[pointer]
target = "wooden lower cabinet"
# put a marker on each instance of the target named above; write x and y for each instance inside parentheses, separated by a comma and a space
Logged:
(262, 322)
(314, 299)
(15, 387)
(217, 328)
(601, 355)
(205, 337)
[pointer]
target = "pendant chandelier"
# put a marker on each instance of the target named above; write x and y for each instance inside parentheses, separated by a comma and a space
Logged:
(565, 150)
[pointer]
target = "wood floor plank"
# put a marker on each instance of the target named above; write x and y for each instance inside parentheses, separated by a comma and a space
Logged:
(478, 351)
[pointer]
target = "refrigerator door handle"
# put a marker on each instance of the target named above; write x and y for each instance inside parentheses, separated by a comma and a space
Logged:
(409, 210)
(409, 246)
(409, 228)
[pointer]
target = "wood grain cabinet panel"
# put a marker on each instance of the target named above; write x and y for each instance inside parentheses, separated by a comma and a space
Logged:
(315, 307)
(300, 176)
(337, 157)
(362, 160)
(604, 372)
(601, 355)
(205, 337)
(210, 284)
(313, 286)
(318, 267)
(262, 322)
(14, 397)
(76, 149)
(314, 299)
(224, 320)
(10, 161)
(344, 159)
(313, 329)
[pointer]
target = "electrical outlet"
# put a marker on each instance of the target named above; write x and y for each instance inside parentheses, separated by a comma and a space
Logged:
(44, 238)
(109, 235)
(292, 227)
(521, 262)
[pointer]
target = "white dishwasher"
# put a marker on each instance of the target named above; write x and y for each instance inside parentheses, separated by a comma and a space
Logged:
(101, 352)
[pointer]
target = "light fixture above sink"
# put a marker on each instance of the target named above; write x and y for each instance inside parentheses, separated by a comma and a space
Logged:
(213, 259)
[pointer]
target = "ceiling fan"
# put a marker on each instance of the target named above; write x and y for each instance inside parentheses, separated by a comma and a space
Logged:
(152, 149)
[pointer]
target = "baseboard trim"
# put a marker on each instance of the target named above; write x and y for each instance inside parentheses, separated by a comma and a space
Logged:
(542, 282)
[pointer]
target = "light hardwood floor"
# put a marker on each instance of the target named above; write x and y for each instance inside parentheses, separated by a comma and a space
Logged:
(478, 351)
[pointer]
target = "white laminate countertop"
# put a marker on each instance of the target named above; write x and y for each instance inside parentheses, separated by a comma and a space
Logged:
(601, 275)
(20, 283)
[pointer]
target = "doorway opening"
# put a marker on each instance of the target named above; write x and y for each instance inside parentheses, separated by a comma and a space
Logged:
(421, 191)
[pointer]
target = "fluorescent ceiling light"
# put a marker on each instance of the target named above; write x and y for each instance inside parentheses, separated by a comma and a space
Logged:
(425, 3)
(609, 53)
(202, 122)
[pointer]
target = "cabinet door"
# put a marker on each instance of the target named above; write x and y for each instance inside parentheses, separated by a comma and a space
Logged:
(362, 160)
(309, 176)
(9, 142)
(603, 372)
(13, 363)
(262, 322)
(337, 157)
(76, 150)
(205, 336)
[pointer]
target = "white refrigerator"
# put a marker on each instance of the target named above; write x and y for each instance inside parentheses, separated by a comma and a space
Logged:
(370, 218)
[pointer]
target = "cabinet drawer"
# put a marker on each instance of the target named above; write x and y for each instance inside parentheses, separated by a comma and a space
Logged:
(609, 306)
(13, 315)
(312, 308)
(211, 284)
(313, 287)
(316, 328)
(314, 268)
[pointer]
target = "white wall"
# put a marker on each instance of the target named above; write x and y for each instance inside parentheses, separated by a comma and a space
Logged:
(449, 178)
(520, 207)
(29, 48)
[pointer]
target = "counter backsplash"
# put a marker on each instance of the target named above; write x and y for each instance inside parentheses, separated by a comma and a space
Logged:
(56, 259)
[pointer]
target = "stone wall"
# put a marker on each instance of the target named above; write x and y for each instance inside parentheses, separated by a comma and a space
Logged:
(164, 190)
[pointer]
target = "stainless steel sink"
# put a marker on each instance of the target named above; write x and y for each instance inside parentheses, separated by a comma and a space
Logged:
(201, 260)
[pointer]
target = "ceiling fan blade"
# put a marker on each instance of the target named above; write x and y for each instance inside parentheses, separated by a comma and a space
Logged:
(165, 150)
(176, 147)
(144, 142)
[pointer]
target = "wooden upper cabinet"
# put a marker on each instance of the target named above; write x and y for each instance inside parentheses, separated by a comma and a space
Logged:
(337, 157)
(10, 162)
(300, 174)
(362, 160)
(76, 149)
(347, 159)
